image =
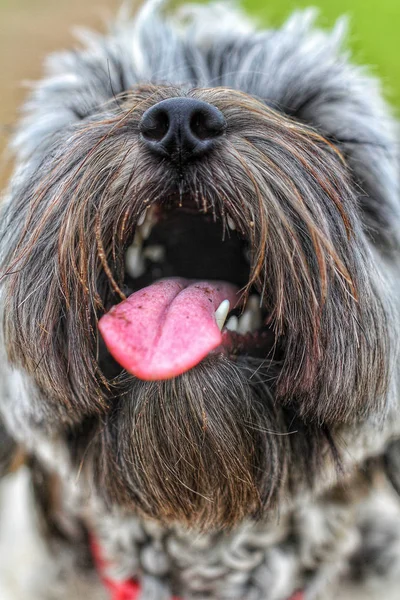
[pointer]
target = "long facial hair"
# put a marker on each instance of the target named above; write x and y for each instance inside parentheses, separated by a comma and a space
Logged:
(214, 444)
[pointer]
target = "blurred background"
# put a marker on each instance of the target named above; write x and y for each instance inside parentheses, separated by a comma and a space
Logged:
(29, 29)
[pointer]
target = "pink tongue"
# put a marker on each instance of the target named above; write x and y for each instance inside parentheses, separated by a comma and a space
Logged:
(166, 328)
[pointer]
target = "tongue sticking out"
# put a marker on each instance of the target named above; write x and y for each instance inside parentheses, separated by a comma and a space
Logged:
(166, 328)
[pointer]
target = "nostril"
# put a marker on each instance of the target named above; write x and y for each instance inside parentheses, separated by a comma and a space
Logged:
(155, 125)
(181, 129)
(206, 124)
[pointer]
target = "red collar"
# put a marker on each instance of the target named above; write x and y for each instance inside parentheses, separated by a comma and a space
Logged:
(130, 588)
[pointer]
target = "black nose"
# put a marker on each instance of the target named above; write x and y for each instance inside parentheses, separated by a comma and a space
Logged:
(182, 128)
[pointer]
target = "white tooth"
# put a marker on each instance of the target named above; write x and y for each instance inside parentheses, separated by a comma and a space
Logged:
(251, 318)
(232, 323)
(254, 305)
(245, 323)
(253, 302)
(146, 224)
(146, 229)
(221, 313)
(138, 240)
(134, 261)
(154, 253)
(142, 217)
(231, 223)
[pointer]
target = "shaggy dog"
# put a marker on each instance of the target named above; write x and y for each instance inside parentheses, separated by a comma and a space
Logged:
(199, 256)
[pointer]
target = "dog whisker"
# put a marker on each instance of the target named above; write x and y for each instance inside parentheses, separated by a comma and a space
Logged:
(263, 430)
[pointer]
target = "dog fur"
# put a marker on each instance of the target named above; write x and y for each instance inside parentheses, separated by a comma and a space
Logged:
(279, 464)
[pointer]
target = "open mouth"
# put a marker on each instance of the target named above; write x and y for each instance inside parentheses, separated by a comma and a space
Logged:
(187, 270)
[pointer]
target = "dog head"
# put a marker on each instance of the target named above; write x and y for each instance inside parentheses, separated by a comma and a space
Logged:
(161, 170)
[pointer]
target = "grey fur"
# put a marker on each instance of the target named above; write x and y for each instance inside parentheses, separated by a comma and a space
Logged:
(331, 263)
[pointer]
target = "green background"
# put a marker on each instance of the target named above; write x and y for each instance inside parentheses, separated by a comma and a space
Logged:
(374, 31)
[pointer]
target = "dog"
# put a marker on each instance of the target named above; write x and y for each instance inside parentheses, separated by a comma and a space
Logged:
(199, 255)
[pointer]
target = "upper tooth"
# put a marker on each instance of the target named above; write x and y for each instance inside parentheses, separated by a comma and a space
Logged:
(142, 217)
(232, 323)
(138, 239)
(251, 318)
(146, 223)
(146, 229)
(253, 303)
(154, 253)
(221, 313)
(134, 261)
(245, 323)
(231, 223)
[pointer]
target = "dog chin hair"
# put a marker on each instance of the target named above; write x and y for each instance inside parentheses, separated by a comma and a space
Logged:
(298, 202)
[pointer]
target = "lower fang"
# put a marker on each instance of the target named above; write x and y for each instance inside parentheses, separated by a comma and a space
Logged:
(221, 313)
